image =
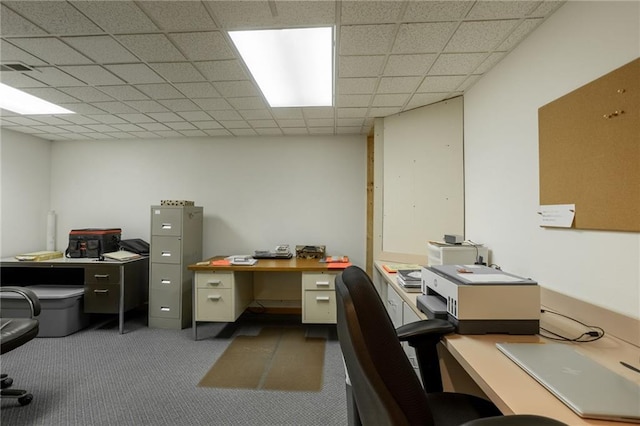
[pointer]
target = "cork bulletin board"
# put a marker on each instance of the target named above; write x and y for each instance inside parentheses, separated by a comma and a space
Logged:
(589, 148)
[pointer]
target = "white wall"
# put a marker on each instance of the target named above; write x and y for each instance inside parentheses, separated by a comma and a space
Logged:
(579, 43)
(256, 192)
(25, 163)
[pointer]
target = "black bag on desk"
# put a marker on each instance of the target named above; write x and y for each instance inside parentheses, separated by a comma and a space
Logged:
(93, 242)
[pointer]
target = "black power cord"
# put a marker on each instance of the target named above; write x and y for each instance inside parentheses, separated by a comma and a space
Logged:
(588, 336)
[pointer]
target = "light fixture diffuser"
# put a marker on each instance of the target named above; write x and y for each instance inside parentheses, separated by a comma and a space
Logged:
(23, 103)
(293, 67)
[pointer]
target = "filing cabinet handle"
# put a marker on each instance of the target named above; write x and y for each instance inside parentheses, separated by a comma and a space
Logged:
(101, 291)
(214, 297)
(216, 282)
(166, 254)
(322, 283)
(165, 281)
(166, 226)
(101, 276)
(322, 298)
(165, 308)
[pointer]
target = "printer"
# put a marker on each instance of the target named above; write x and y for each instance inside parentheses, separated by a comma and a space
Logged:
(478, 299)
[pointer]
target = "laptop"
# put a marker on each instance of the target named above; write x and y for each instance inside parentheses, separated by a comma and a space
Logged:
(588, 388)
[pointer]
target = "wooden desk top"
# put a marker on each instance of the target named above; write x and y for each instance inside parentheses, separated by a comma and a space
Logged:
(510, 387)
(271, 265)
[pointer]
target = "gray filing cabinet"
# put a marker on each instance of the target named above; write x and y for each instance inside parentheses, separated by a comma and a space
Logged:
(176, 243)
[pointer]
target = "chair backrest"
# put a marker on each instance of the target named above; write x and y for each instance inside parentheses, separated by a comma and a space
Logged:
(385, 386)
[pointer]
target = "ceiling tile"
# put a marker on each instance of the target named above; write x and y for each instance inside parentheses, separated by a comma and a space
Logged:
(262, 123)
(20, 80)
(398, 84)
(433, 11)
(181, 72)
(151, 47)
(383, 111)
(370, 12)
(366, 39)
(135, 118)
(390, 100)
(354, 100)
(256, 114)
(440, 83)
(481, 36)
(178, 16)
(321, 122)
(117, 16)
(54, 77)
(519, 33)
(52, 95)
(457, 63)
(51, 50)
(178, 105)
(197, 90)
(135, 73)
(319, 112)
(277, 131)
(203, 46)
(291, 123)
(80, 119)
(287, 113)
(127, 127)
(124, 93)
(222, 70)
(102, 128)
(181, 125)
(107, 118)
(235, 124)
(503, 9)
(212, 104)
(82, 108)
(193, 133)
(417, 64)
(235, 89)
(194, 116)
(228, 114)
(352, 112)
(423, 38)
(349, 86)
(168, 134)
(165, 117)
(92, 74)
(10, 53)
(247, 103)
(153, 127)
(218, 132)
(54, 16)
(86, 94)
(360, 66)
(207, 125)
(114, 107)
(102, 49)
(147, 106)
(160, 91)
(244, 132)
(241, 14)
(12, 24)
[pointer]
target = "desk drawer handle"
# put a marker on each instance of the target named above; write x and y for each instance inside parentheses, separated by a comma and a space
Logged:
(214, 297)
(101, 276)
(101, 291)
(166, 254)
(165, 308)
(322, 283)
(216, 282)
(322, 298)
(165, 281)
(166, 226)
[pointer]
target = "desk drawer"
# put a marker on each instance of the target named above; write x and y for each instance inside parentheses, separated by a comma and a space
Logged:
(101, 298)
(319, 307)
(318, 280)
(102, 273)
(214, 305)
(214, 279)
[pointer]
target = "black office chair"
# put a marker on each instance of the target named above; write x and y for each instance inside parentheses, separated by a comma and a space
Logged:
(15, 332)
(383, 384)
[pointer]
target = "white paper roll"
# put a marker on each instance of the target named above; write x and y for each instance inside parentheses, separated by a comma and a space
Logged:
(51, 230)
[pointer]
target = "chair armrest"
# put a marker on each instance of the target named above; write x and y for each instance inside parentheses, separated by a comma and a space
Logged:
(515, 420)
(28, 295)
(424, 328)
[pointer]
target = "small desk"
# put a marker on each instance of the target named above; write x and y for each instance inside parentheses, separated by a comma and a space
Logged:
(110, 287)
(473, 364)
(222, 293)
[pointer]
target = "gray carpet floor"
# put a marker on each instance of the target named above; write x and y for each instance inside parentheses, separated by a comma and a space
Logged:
(149, 376)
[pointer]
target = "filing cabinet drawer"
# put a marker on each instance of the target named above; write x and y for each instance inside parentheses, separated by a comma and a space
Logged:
(101, 298)
(214, 279)
(166, 250)
(166, 221)
(166, 276)
(318, 280)
(319, 307)
(164, 303)
(214, 305)
(102, 273)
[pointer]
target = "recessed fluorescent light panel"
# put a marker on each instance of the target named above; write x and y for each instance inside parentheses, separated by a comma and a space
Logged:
(293, 67)
(23, 103)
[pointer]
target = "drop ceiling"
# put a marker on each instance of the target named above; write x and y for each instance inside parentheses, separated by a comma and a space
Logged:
(166, 69)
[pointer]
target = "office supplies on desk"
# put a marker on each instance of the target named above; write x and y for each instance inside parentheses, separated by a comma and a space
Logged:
(480, 300)
(410, 280)
(587, 387)
(39, 255)
(281, 252)
(242, 260)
